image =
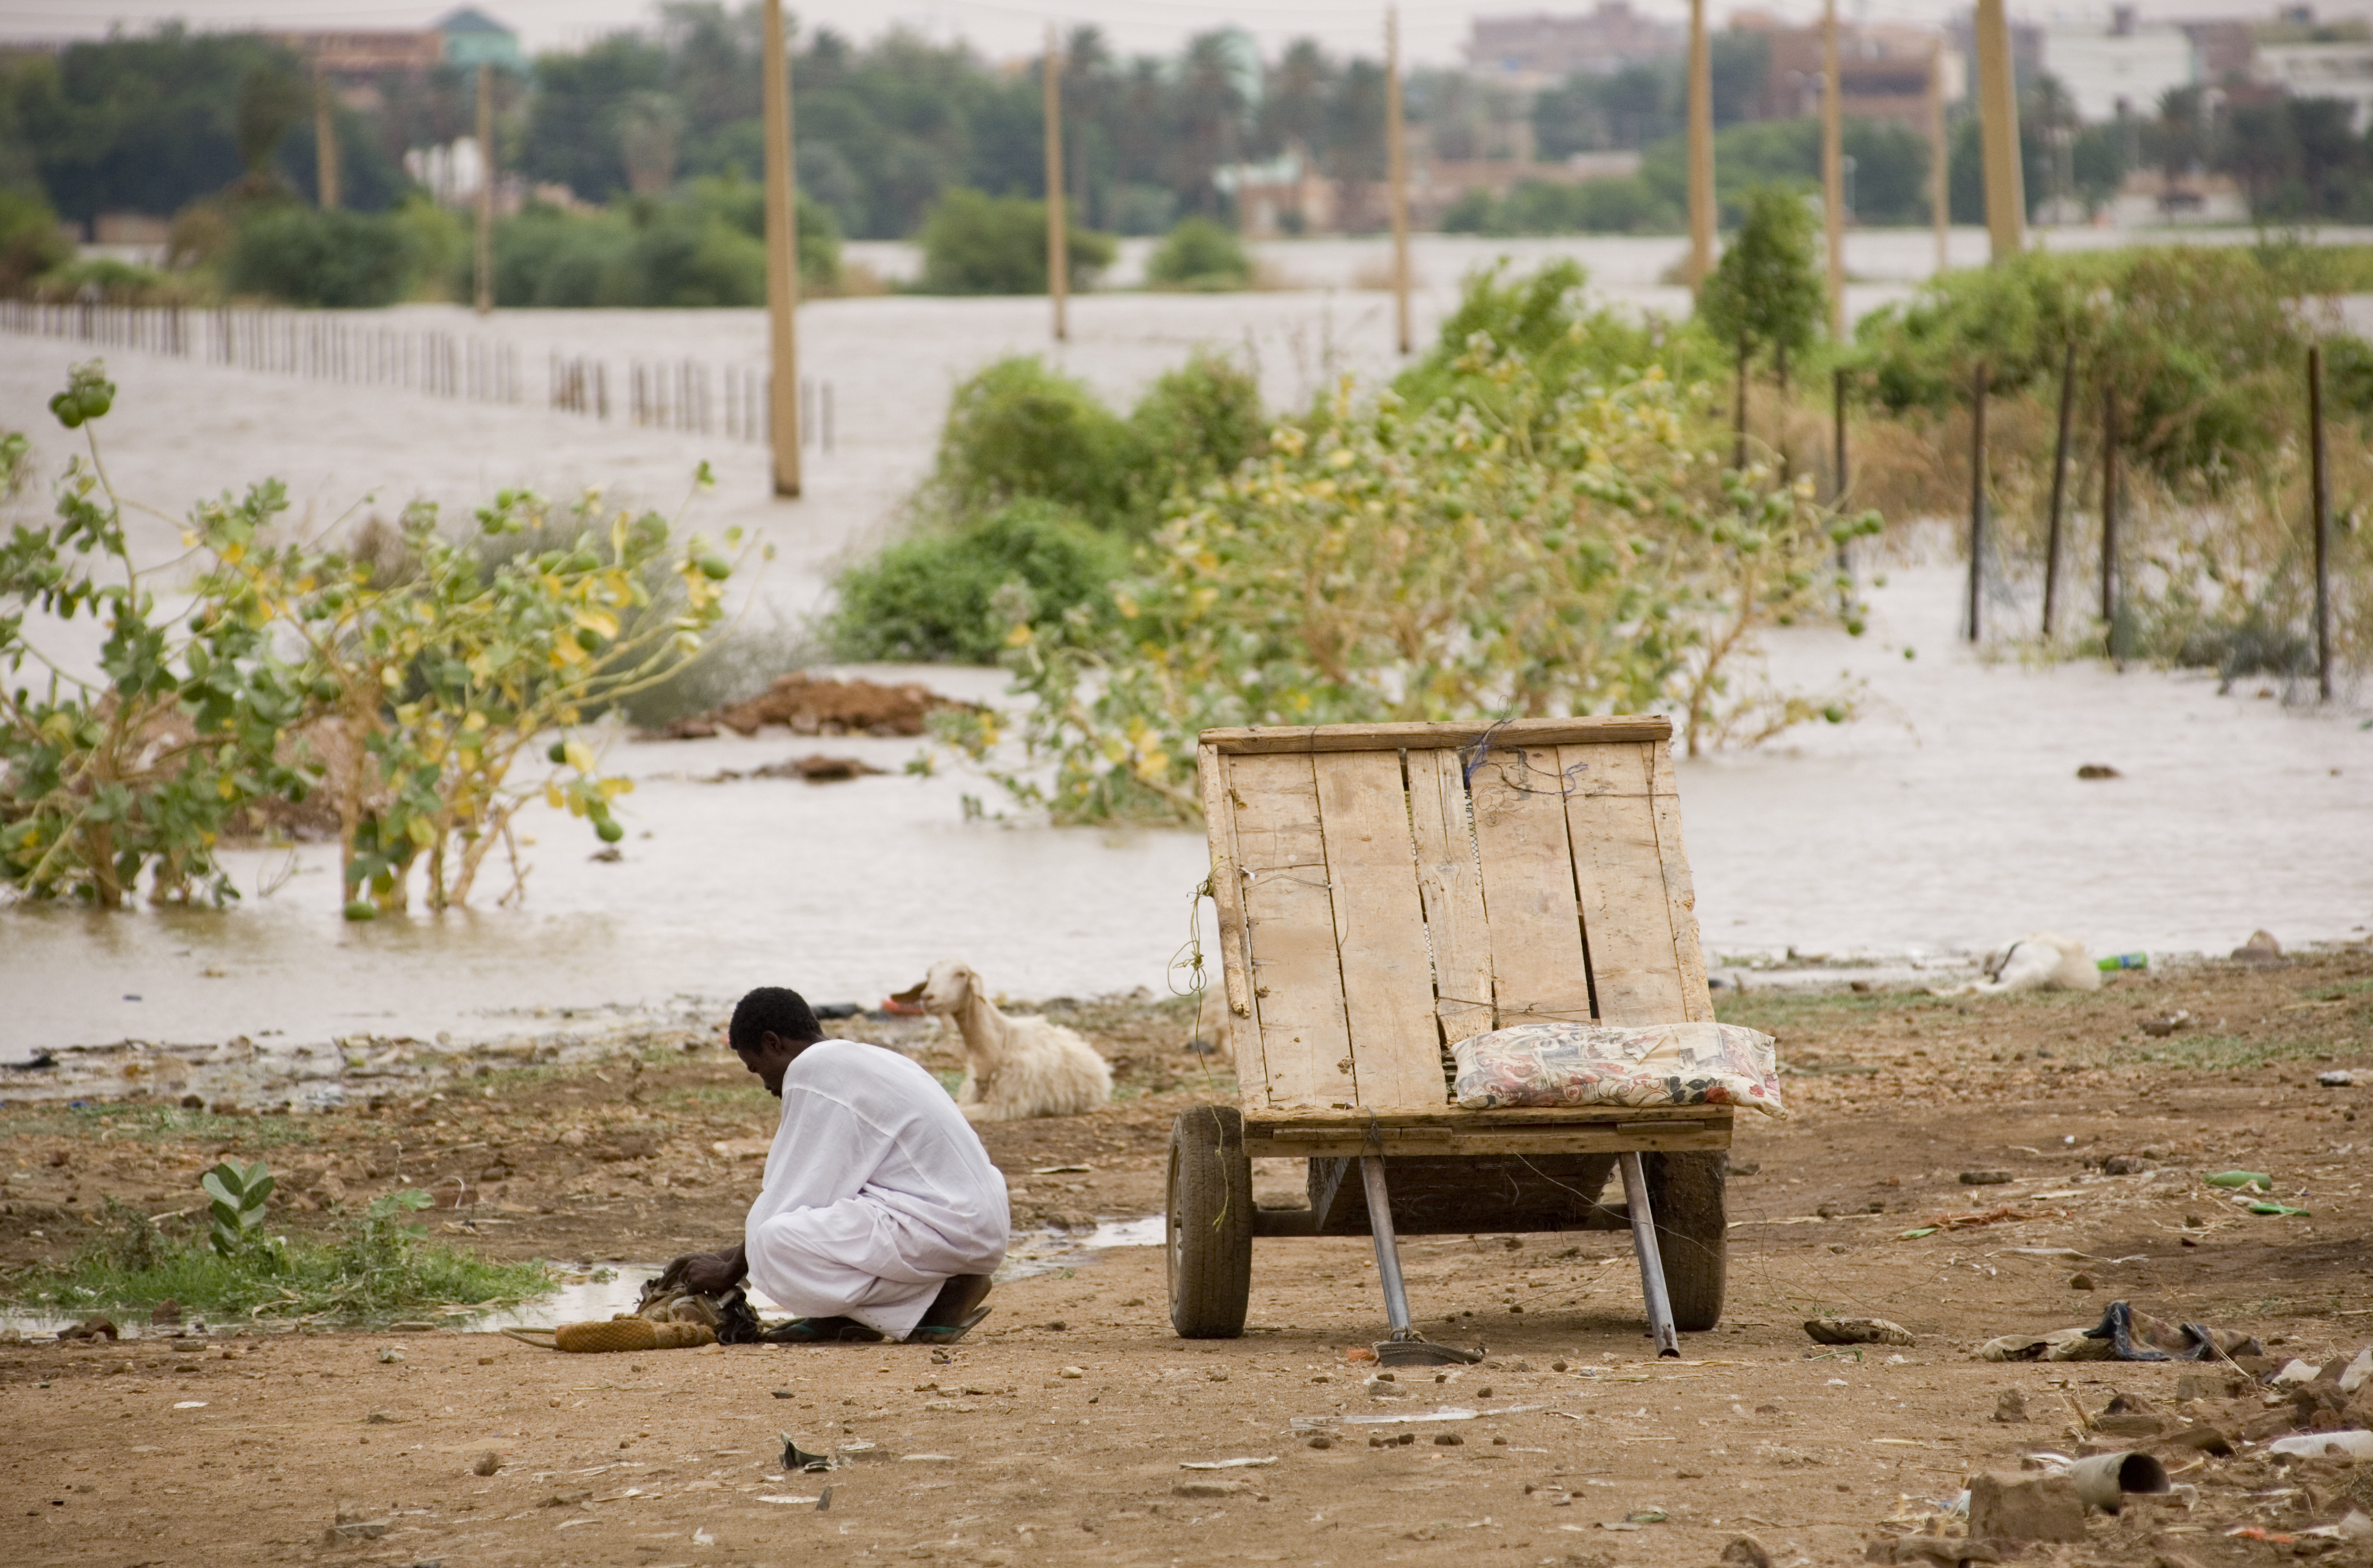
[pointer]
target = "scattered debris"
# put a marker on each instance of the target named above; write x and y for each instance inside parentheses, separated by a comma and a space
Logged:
(2338, 1078)
(816, 768)
(352, 1525)
(1857, 1331)
(796, 1459)
(2259, 1180)
(2026, 1508)
(1225, 1464)
(810, 705)
(2317, 1445)
(1987, 1179)
(1210, 1489)
(2097, 770)
(91, 1328)
(168, 1311)
(2166, 1024)
(2010, 1405)
(2261, 948)
(1745, 1551)
(2106, 1480)
(487, 1464)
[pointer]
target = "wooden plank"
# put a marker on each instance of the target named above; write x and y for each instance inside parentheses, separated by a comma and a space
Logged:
(1380, 931)
(1484, 1122)
(1269, 740)
(1228, 899)
(1680, 892)
(1619, 881)
(1538, 973)
(1297, 980)
(1450, 884)
(1548, 1140)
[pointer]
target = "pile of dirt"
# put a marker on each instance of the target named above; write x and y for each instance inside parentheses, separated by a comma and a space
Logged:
(812, 704)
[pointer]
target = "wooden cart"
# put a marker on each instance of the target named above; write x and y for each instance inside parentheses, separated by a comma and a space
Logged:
(1386, 890)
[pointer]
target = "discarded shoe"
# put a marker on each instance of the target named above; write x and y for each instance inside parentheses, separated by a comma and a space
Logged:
(822, 1331)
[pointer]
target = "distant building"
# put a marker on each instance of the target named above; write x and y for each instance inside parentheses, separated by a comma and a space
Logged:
(1537, 51)
(472, 38)
(1286, 196)
(2342, 71)
(2126, 67)
(1882, 70)
(354, 55)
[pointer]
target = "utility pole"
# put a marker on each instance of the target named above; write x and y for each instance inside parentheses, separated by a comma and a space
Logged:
(325, 143)
(1978, 504)
(485, 256)
(2321, 480)
(1058, 250)
(782, 258)
(1700, 116)
(1998, 129)
(1397, 173)
(1833, 168)
(1940, 158)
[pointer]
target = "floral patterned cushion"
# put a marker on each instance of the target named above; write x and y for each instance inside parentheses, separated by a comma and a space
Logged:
(1607, 1064)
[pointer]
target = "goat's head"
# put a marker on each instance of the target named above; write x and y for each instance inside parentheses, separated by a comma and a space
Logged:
(946, 989)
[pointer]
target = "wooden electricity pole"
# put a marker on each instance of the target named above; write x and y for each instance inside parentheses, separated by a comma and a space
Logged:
(1396, 174)
(1058, 249)
(1977, 505)
(485, 256)
(782, 259)
(1833, 168)
(2321, 478)
(326, 144)
(1700, 125)
(1940, 158)
(2059, 491)
(1998, 130)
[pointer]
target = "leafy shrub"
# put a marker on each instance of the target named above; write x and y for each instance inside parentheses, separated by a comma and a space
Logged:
(380, 1261)
(2205, 345)
(1541, 319)
(31, 241)
(304, 256)
(1767, 292)
(102, 781)
(1018, 429)
(975, 243)
(1622, 204)
(703, 246)
(117, 282)
(947, 596)
(1193, 425)
(1203, 255)
(1546, 551)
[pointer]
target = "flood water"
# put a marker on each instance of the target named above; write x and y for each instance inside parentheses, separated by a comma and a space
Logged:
(1948, 819)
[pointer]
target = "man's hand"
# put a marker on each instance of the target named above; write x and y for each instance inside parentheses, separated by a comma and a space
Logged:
(706, 1273)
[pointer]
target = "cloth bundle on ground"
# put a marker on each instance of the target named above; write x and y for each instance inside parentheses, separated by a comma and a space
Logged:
(1607, 1064)
(2124, 1334)
(666, 1317)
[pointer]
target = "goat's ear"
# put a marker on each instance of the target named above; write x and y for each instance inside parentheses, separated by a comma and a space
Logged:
(912, 994)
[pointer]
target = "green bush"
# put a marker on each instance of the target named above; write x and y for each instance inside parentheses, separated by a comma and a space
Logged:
(31, 241)
(1019, 429)
(303, 256)
(1627, 204)
(975, 243)
(703, 245)
(1542, 319)
(1194, 425)
(949, 597)
(1766, 293)
(2205, 345)
(1203, 255)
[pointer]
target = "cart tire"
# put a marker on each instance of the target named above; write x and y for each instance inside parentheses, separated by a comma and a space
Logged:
(1692, 1229)
(1209, 1250)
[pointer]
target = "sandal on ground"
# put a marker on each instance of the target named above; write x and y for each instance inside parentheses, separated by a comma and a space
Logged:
(822, 1331)
(945, 1333)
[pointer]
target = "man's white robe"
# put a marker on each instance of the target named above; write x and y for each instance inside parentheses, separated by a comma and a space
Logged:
(877, 1191)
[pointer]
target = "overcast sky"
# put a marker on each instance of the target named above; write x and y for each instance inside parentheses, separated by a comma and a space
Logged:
(1004, 28)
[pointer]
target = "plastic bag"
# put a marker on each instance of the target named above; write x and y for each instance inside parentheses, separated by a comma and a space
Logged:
(1607, 1064)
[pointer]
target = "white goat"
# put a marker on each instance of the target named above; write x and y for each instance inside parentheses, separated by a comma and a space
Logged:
(1014, 1068)
(2040, 962)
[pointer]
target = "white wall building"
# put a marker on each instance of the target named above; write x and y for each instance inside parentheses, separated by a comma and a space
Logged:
(2121, 61)
(2344, 71)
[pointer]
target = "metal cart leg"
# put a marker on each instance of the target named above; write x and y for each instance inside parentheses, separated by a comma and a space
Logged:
(1406, 1347)
(1389, 1251)
(1652, 1261)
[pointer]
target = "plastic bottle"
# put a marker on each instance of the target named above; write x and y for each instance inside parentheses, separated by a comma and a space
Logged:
(2124, 961)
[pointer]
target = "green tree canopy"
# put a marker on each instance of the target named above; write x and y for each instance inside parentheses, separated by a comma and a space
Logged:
(1766, 292)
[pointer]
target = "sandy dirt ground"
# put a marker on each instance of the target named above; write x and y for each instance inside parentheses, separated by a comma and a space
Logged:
(1059, 1431)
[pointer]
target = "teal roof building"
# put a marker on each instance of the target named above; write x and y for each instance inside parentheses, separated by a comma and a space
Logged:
(472, 38)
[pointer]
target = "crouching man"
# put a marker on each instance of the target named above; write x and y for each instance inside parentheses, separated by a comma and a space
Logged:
(882, 1217)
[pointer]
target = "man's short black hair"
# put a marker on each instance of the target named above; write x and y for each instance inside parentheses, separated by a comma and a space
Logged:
(771, 1010)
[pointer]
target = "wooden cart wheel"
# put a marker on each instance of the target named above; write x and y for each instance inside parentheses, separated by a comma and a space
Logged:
(1210, 1255)
(1692, 1228)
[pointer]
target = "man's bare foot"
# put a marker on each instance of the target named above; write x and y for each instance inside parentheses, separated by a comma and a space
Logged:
(957, 1300)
